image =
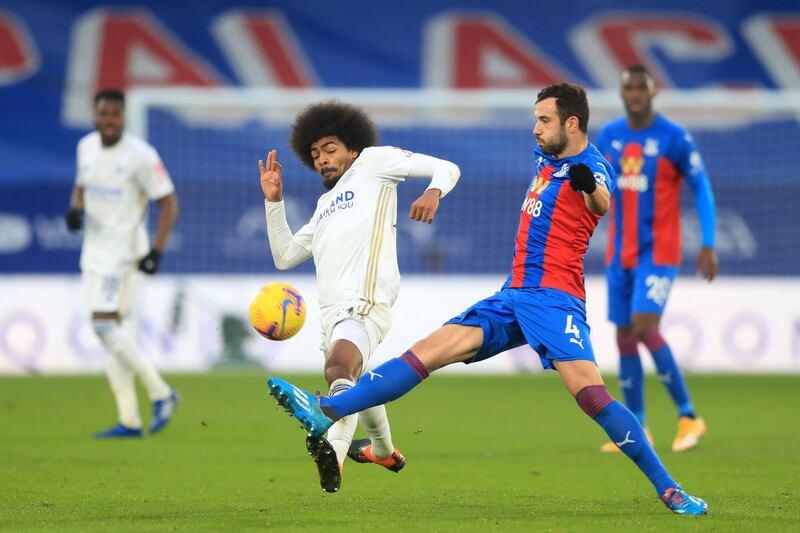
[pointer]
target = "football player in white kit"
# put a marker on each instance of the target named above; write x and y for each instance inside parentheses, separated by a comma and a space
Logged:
(117, 175)
(351, 237)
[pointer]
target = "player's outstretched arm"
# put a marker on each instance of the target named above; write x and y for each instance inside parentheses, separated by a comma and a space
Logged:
(444, 176)
(287, 250)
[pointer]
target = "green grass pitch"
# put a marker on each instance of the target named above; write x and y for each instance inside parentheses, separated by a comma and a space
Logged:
(484, 453)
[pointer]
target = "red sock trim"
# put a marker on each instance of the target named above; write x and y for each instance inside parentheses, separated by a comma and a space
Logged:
(416, 365)
(628, 345)
(593, 399)
(653, 340)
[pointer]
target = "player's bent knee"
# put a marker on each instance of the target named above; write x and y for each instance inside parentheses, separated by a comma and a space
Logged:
(593, 399)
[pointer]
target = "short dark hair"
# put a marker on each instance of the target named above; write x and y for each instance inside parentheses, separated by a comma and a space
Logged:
(115, 95)
(349, 123)
(570, 101)
(639, 69)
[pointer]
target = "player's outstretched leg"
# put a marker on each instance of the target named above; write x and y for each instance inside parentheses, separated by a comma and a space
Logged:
(387, 382)
(690, 427)
(302, 405)
(627, 433)
(330, 471)
(361, 452)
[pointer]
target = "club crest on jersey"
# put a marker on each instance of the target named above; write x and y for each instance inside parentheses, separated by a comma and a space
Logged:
(651, 147)
(562, 171)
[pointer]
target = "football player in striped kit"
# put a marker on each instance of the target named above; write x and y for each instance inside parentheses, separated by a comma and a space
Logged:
(653, 157)
(542, 303)
(351, 237)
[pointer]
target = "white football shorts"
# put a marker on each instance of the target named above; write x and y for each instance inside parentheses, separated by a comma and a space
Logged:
(365, 331)
(108, 292)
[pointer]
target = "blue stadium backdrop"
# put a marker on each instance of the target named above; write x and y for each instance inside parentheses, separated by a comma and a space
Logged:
(55, 55)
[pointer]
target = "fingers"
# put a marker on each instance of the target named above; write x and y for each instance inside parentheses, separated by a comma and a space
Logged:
(421, 214)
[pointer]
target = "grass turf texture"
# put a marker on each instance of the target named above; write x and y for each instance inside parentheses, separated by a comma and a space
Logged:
(496, 453)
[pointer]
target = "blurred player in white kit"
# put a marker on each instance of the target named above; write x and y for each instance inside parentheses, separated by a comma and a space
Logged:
(352, 239)
(117, 175)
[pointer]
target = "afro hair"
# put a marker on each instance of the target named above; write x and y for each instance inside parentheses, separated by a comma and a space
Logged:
(332, 118)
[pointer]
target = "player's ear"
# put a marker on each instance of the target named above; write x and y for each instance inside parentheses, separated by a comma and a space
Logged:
(572, 124)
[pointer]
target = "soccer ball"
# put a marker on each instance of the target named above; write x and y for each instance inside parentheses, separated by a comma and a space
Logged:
(278, 311)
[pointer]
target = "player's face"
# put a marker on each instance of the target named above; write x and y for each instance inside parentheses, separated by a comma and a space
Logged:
(109, 120)
(331, 159)
(638, 90)
(550, 133)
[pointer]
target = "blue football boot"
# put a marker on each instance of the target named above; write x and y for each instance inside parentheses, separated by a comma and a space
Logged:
(679, 502)
(119, 431)
(302, 405)
(163, 411)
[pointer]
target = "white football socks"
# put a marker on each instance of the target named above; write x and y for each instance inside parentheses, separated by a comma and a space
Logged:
(376, 425)
(119, 345)
(340, 434)
(120, 378)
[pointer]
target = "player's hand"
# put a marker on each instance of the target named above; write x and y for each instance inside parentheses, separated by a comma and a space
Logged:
(581, 178)
(74, 219)
(271, 177)
(707, 263)
(149, 263)
(424, 207)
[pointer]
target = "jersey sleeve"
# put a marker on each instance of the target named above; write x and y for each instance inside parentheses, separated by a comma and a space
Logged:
(603, 172)
(80, 177)
(689, 163)
(153, 176)
(396, 164)
(288, 250)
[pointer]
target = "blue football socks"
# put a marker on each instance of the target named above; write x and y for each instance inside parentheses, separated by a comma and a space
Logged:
(385, 383)
(631, 375)
(669, 373)
(626, 432)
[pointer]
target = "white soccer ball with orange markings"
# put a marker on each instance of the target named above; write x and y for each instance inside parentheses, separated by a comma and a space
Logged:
(277, 311)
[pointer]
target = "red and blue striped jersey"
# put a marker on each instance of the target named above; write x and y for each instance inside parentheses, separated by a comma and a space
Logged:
(555, 225)
(651, 164)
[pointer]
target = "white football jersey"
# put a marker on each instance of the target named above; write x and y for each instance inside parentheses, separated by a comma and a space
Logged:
(352, 234)
(118, 182)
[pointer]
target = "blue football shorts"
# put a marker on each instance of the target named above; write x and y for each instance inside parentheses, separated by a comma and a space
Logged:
(552, 322)
(644, 289)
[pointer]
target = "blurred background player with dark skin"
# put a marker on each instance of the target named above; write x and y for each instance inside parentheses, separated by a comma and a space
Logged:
(652, 157)
(541, 304)
(351, 238)
(117, 175)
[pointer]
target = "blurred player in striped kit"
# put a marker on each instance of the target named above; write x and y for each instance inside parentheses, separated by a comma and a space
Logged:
(118, 174)
(542, 303)
(351, 237)
(652, 157)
